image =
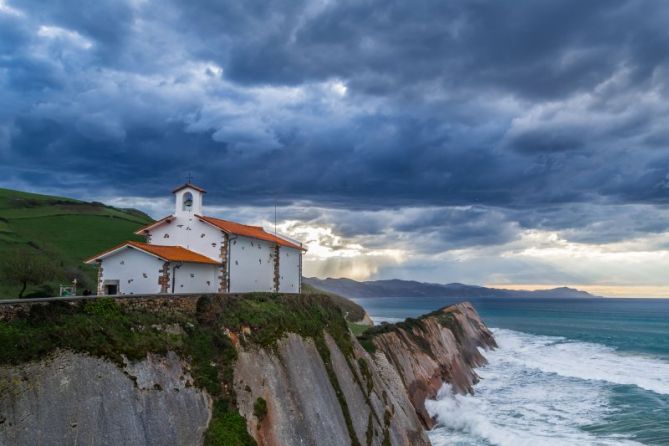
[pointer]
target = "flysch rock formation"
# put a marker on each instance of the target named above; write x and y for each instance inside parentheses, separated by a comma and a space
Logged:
(303, 406)
(315, 393)
(439, 348)
(385, 392)
(75, 399)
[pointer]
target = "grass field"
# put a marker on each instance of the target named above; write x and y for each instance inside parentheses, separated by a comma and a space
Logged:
(67, 231)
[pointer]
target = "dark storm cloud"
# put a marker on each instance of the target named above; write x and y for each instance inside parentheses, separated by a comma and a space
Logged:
(460, 227)
(510, 109)
(535, 49)
(590, 223)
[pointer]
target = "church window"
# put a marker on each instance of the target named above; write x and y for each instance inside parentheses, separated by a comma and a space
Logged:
(187, 201)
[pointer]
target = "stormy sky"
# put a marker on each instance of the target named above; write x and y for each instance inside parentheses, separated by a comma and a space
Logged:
(519, 144)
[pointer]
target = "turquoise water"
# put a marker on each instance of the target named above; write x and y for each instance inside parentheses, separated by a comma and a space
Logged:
(568, 372)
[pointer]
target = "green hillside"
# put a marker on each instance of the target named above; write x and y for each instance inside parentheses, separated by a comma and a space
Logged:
(64, 230)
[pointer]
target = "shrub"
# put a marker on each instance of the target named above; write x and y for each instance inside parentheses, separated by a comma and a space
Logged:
(25, 267)
(260, 408)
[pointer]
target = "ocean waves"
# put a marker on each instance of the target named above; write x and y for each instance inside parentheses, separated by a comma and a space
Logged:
(587, 361)
(546, 390)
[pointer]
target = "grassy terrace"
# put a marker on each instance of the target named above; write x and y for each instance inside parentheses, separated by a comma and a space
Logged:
(110, 329)
(63, 230)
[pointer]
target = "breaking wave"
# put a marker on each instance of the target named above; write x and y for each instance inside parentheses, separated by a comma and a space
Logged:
(543, 390)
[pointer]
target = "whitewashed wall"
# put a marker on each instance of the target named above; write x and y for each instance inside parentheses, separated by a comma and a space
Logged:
(196, 208)
(136, 272)
(190, 233)
(289, 270)
(251, 261)
(195, 278)
(251, 265)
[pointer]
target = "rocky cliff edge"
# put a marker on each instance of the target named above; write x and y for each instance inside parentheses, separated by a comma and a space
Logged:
(231, 370)
(441, 347)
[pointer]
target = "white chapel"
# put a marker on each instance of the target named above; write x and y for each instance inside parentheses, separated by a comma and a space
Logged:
(189, 252)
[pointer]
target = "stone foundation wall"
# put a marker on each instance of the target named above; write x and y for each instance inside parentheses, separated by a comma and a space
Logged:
(182, 304)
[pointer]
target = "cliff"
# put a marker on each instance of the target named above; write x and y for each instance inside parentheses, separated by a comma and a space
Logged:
(441, 347)
(72, 398)
(229, 370)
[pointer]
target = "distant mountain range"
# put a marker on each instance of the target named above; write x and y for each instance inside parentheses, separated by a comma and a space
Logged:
(410, 288)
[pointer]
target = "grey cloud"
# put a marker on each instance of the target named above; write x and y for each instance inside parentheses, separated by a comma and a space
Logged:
(532, 115)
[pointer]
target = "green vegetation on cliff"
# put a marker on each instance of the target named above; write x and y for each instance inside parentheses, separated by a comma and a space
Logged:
(62, 230)
(204, 329)
(444, 316)
(352, 311)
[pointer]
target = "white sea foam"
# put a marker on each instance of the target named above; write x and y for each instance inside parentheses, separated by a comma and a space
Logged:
(584, 361)
(541, 390)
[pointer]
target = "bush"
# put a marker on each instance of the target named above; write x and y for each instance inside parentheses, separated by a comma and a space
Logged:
(227, 428)
(260, 408)
(43, 291)
(25, 267)
(104, 306)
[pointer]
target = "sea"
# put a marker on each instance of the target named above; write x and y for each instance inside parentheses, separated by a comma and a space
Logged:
(567, 372)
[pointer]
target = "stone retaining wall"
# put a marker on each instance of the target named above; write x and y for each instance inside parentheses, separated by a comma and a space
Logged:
(184, 304)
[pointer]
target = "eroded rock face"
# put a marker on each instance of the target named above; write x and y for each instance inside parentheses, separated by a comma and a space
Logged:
(73, 398)
(439, 348)
(302, 403)
(314, 392)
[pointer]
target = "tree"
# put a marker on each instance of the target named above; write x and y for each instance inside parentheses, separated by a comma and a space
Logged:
(26, 267)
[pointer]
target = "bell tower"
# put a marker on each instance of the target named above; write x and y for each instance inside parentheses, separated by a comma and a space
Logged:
(188, 200)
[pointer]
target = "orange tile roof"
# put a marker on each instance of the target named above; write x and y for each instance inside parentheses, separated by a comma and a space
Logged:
(248, 231)
(168, 253)
(154, 224)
